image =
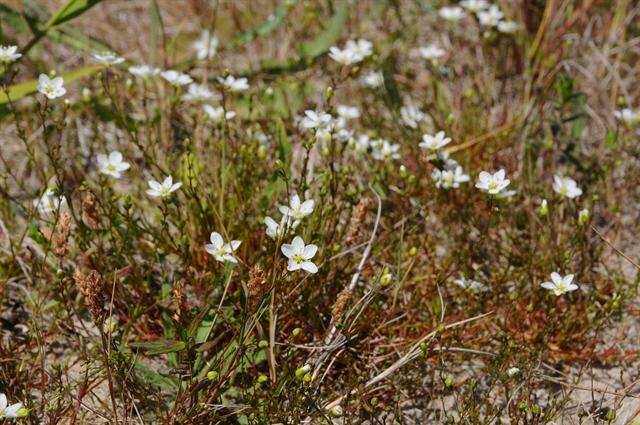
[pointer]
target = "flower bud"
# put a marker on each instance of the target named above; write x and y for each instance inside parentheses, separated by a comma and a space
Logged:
(544, 208)
(583, 217)
(302, 371)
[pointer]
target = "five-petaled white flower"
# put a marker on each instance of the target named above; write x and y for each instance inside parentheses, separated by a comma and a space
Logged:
(299, 255)
(297, 210)
(199, 93)
(411, 115)
(144, 71)
(384, 151)
(234, 84)
(206, 46)
(163, 189)
(431, 52)
(344, 57)
(9, 411)
(112, 165)
(51, 87)
(319, 120)
(9, 54)
(471, 285)
(361, 48)
(274, 229)
(508, 27)
(492, 183)
(107, 58)
(447, 179)
(474, 6)
(566, 186)
(348, 112)
(627, 115)
(176, 78)
(559, 284)
(217, 113)
(433, 143)
(221, 251)
(451, 14)
(490, 17)
(49, 202)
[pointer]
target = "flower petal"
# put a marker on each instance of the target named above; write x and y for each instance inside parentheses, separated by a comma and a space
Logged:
(309, 267)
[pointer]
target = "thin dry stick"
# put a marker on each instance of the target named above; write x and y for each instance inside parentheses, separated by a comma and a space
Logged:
(622, 254)
(410, 355)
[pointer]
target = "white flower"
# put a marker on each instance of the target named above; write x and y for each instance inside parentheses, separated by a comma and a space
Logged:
(411, 115)
(373, 79)
(343, 56)
(317, 120)
(492, 183)
(221, 251)
(343, 135)
(52, 88)
(49, 202)
(560, 285)
(566, 186)
(299, 255)
(513, 371)
(348, 112)
(471, 285)
(163, 189)
(234, 84)
(431, 52)
(361, 144)
(217, 113)
(490, 17)
(6, 411)
(451, 14)
(447, 179)
(274, 229)
(433, 143)
(107, 58)
(144, 71)
(474, 6)
(508, 27)
(199, 93)
(206, 46)
(112, 165)
(628, 116)
(9, 54)
(297, 210)
(383, 150)
(176, 78)
(361, 48)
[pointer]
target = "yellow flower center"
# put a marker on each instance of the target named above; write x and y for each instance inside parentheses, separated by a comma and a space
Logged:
(298, 259)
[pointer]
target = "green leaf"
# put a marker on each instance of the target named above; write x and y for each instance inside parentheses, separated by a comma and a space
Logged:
(150, 376)
(274, 21)
(165, 346)
(20, 90)
(156, 31)
(329, 36)
(284, 145)
(70, 10)
(390, 85)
